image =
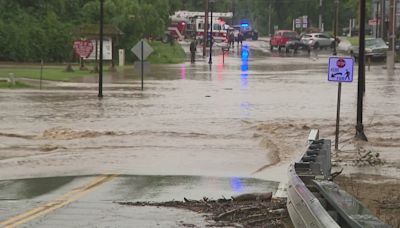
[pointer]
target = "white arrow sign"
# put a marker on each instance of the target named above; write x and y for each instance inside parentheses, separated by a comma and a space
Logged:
(137, 49)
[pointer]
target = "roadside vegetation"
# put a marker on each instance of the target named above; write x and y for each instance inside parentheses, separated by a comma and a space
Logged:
(52, 73)
(17, 85)
(42, 29)
(166, 53)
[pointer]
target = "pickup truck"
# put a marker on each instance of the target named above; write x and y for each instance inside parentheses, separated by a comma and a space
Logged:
(281, 37)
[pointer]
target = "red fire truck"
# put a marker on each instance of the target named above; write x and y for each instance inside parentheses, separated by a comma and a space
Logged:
(188, 24)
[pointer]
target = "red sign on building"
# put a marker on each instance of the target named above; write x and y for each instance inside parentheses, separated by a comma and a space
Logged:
(83, 48)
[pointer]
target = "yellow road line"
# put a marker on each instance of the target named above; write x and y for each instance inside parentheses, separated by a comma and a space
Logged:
(51, 206)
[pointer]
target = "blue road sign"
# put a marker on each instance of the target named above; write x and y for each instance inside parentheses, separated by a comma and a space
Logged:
(340, 69)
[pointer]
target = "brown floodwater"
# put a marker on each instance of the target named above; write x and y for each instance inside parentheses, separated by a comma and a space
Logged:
(229, 119)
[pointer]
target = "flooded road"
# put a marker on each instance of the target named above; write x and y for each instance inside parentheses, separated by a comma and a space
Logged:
(89, 205)
(247, 118)
(189, 120)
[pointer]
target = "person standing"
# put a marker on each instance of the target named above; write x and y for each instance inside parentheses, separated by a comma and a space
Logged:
(315, 48)
(240, 39)
(193, 49)
(231, 39)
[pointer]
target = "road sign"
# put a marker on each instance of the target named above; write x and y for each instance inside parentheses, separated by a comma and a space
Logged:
(340, 69)
(305, 21)
(374, 22)
(83, 48)
(298, 23)
(137, 49)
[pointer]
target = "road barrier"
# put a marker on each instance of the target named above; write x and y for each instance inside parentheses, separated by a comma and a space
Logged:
(314, 200)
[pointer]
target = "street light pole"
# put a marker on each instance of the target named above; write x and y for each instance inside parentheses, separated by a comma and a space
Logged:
(205, 35)
(392, 26)
(211, 31)
(335, 25)
(377, 20)
(320, 16)
(100, 95)
(269, 18)
(361, 75)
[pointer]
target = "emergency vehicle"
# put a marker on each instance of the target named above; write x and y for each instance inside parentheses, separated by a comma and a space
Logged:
(194, 25)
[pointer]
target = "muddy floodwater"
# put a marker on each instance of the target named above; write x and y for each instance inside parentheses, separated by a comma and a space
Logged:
(248, 117)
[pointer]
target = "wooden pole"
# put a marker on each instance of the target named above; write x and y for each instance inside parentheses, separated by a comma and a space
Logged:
(361, 75)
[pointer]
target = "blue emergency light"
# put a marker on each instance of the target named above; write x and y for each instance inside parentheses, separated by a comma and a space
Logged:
(245, 25)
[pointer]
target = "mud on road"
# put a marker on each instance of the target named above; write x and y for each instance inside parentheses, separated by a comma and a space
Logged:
(247, 210)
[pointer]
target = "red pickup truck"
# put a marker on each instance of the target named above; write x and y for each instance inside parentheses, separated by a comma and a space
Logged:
(281, 37)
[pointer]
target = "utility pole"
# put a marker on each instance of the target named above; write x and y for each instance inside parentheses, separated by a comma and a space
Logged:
(391, 38)
(211, 32)
(392, 24)
(394, 28)
(335, 25)
(320, 16)
(361, 75)
(383, 18)
(205, 35)
(100, 95)
(269, 18)
(377, 20)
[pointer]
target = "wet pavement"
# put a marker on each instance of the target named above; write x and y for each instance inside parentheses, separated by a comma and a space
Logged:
(91, 206)
(247, 118)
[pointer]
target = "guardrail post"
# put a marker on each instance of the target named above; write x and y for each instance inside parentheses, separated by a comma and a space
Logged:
(313, 136)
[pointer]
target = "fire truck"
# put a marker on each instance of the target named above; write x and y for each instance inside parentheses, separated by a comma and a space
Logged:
(188, 24)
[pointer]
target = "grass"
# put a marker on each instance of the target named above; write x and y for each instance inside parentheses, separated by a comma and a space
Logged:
(18, 85)
(354, 40)
(166, 53)
(163, 54)
(52, 73)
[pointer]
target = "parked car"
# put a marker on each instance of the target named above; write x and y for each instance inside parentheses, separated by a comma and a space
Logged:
(247, 32)
(318, 40)
(296, 45)
(281, 37)
(374, 47)
(354, 31)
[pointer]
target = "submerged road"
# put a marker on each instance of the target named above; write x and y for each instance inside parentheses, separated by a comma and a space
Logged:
(67, 157)
(92, 201)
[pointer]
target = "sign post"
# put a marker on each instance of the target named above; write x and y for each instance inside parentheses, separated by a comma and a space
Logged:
(340, 70)
(142, 50)
(141, 54)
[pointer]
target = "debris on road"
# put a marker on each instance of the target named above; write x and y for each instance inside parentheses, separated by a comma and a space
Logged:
(246, 210)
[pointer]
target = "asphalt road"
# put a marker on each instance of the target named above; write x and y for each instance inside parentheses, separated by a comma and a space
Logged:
(92, 201)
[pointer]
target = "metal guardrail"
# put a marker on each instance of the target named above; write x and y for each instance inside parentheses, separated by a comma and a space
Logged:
(315, 201)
